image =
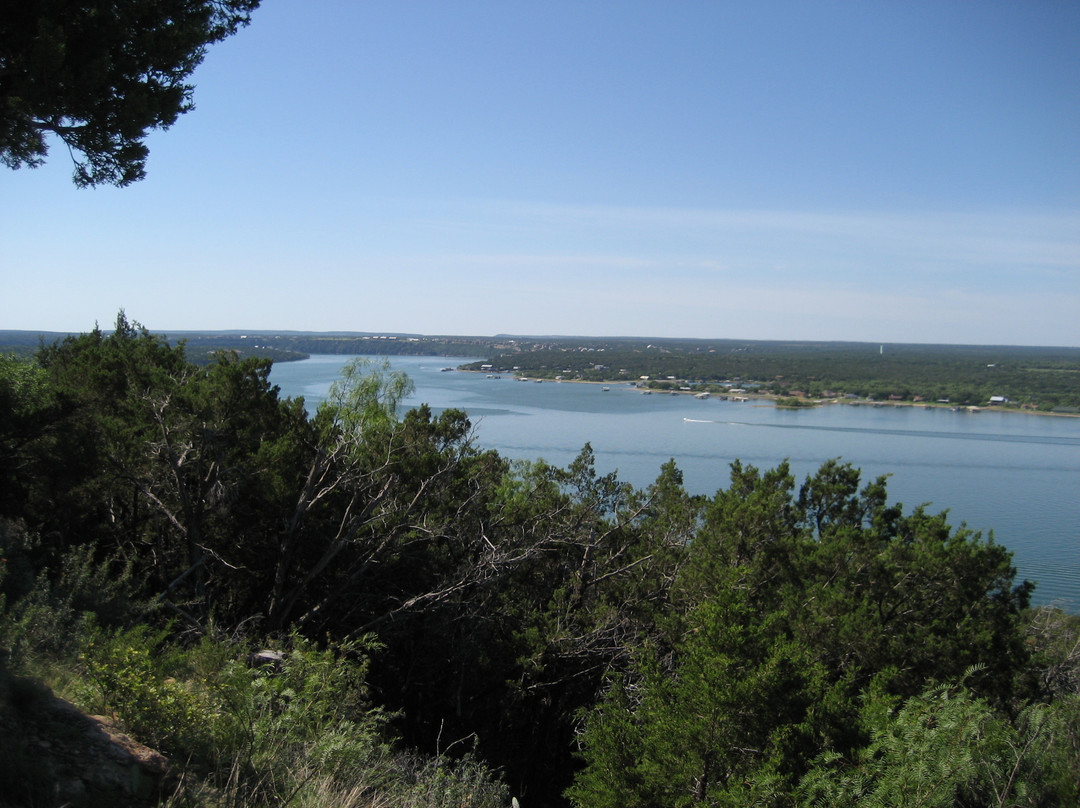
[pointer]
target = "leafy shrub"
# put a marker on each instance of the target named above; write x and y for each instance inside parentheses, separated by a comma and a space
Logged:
(948, 747)
(51, 617)
(128, 680)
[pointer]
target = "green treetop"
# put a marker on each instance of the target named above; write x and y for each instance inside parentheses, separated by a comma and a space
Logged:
(101, 76)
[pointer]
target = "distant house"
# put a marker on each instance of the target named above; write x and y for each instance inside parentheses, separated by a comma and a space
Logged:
(998, 400)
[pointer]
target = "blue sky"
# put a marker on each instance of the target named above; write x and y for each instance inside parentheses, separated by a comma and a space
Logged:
(878, 171)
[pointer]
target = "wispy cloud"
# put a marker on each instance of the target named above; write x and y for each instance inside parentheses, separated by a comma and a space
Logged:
(926, 243)
(990, 277)
(988, 237)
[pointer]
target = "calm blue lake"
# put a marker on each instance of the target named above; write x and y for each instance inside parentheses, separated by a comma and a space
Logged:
(1016, 475)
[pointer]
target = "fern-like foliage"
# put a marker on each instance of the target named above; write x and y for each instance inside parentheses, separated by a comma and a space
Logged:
(946, 747)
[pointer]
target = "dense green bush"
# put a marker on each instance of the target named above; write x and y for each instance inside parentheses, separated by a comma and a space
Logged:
(420, 594)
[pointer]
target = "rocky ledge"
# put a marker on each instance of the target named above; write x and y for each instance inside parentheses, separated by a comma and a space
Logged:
(57, 755)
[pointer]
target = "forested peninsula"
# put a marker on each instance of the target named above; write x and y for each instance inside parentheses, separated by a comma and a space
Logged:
(1038, 379)
(361, 607)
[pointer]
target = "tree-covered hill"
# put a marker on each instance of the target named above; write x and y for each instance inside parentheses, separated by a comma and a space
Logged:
(361, 607)
(202, 347)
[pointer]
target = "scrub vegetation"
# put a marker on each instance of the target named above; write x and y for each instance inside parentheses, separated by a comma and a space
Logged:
(362, 608)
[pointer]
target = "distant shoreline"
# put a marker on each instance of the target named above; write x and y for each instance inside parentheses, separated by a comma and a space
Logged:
(772, 397)
(1043, 377)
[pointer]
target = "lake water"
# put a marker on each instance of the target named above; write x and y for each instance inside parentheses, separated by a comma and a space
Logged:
(1017, 475)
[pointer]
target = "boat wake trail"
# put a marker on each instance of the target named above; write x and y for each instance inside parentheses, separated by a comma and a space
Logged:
(905, 433)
